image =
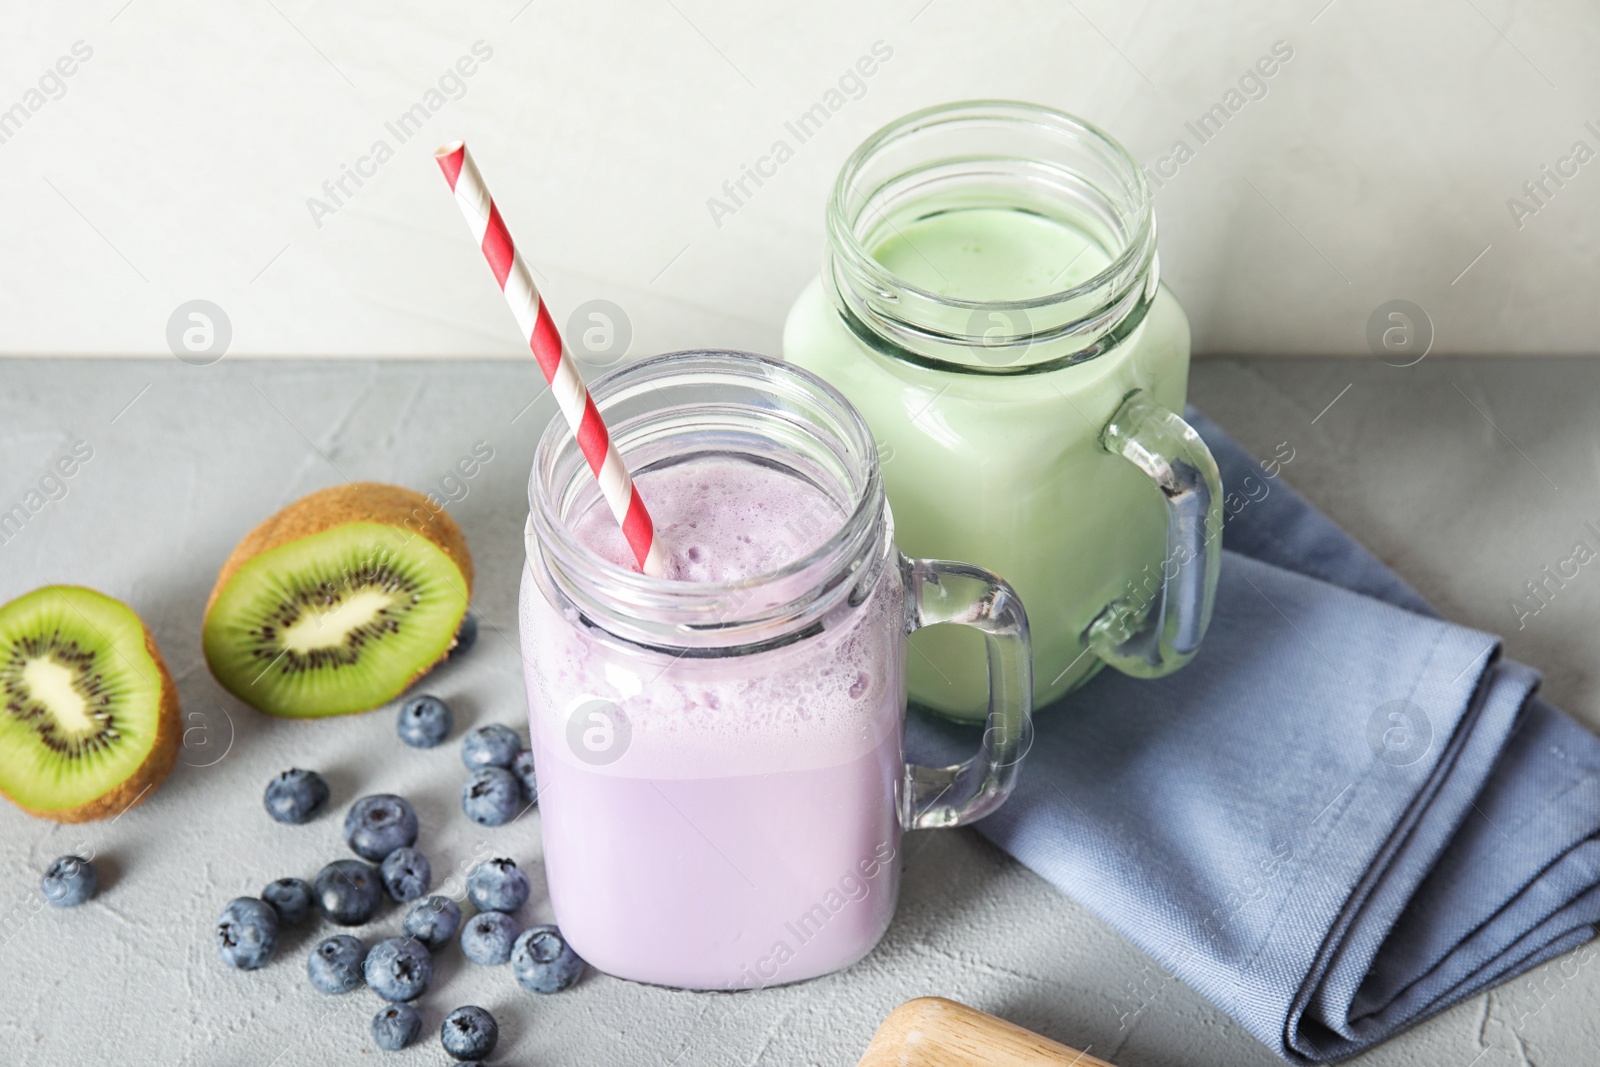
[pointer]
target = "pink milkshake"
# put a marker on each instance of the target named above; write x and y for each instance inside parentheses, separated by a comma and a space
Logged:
(721, 821)
(719, 748)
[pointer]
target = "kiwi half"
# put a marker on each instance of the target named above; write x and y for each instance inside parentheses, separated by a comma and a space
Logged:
(89, 720)
(338, 602)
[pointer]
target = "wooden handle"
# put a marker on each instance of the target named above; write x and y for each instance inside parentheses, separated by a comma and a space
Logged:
(934, 1032)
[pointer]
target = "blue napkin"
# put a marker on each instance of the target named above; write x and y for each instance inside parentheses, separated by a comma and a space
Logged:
(1344, 816)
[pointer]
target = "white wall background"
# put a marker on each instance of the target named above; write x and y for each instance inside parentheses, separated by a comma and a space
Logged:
(179, 159)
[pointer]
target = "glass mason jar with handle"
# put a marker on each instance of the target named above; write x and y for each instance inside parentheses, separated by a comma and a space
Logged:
(722, 783)
(990, 301)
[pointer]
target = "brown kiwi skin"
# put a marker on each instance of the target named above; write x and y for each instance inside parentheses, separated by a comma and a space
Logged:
(340, 505)
(151, 773)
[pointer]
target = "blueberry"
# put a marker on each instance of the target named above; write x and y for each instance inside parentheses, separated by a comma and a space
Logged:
(69, 881)
(543, 961)
(434, 921)
(406, 874)
(491, 797)
(334, 966)
(424, 721)
(398, 968)
(490, 746)
(375, 826)
(292, 898)
(247, 933)
(395, 1027)
(487, 938)
(296, 796)
(466, 636)
(497, 885)
(469, 1033)
(522, 767)
(349, 891)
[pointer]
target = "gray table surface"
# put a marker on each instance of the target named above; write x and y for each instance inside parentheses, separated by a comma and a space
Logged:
(1466, 476)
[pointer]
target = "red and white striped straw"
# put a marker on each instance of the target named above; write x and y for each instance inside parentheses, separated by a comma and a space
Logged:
(572, 396)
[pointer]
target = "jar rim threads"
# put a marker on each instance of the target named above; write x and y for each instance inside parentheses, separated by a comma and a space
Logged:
(1005, 154)
(670, 408)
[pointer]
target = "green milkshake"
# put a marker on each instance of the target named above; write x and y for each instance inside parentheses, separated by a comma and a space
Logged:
(990, 315)
(990, 254)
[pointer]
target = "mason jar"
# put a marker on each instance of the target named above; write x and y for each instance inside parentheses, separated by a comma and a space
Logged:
(722, 782)
(990, 301)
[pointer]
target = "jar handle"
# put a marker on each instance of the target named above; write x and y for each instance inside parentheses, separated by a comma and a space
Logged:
(1157, 627)
(941, 591)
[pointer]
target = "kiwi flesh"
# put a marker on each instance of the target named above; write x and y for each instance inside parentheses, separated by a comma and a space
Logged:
(88, 713)
(338, 602)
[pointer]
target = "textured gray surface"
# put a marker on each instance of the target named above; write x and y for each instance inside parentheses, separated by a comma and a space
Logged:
(1467, 477)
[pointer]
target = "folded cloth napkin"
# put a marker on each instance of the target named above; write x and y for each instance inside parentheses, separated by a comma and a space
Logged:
(1342, 817)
